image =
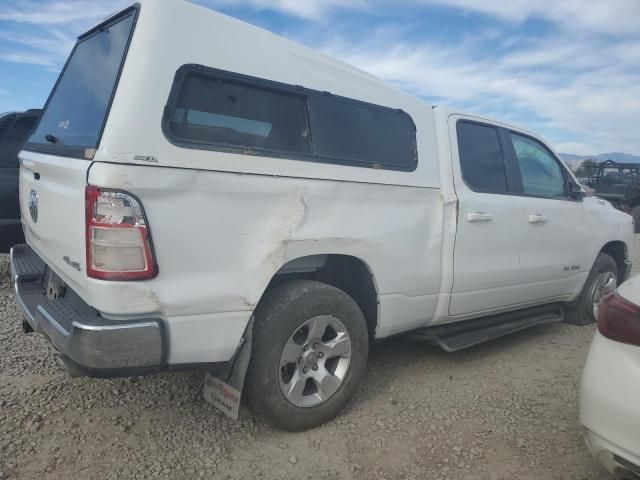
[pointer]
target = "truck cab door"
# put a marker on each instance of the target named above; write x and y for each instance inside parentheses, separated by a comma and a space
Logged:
(554, 252)
(486, 264)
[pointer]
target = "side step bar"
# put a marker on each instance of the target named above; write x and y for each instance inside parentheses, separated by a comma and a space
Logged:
(459, 335)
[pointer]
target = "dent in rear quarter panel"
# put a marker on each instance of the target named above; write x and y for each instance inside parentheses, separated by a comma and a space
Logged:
(220, 237)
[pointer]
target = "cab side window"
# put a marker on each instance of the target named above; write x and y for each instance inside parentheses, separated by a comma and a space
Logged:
(542, 175)
(481, 157)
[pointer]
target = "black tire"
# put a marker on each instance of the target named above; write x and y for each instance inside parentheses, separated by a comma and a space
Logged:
(635, 213)
(581, 312)
(279, 316)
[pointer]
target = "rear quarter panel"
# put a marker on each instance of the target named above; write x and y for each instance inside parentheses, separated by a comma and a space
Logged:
(220, 237)
(222, 224)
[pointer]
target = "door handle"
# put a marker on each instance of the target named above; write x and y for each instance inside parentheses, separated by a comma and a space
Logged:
(537, 218)
(479, 217)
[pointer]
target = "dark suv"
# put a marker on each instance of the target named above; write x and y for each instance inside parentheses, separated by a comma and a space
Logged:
(15, 128)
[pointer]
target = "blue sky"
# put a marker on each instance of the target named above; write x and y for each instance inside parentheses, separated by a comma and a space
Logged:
(567, 69)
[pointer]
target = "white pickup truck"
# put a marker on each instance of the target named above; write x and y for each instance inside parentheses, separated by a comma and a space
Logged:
(202, 194)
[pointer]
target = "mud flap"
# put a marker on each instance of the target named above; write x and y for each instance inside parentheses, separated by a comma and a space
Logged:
(225, 395)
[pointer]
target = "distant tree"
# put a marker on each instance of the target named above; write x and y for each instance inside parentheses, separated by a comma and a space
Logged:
(586, 168)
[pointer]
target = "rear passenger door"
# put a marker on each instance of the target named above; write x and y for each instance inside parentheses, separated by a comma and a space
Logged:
(487, 273)
(553, 249)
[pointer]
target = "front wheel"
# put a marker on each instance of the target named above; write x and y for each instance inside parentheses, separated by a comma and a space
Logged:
(602, 279)
(310, 348)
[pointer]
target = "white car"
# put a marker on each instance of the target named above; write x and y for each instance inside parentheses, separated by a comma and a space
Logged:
(202, 194)
(610, 393)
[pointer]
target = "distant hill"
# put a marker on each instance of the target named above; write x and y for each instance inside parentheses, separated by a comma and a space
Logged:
(619, 157)
(570, 157)
(615, 156)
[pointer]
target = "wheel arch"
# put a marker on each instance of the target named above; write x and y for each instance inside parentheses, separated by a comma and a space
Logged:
(619, 251)
(349, 273)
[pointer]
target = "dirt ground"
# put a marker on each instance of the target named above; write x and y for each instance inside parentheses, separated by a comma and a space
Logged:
(500, 411)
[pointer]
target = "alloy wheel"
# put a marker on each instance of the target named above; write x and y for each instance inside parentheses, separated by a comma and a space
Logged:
(315, 361)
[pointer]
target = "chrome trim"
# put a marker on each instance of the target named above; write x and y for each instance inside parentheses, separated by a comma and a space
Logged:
(78, 331)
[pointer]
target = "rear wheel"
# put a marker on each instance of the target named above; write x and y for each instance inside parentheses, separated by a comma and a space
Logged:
(310, 348)
(602, 280)
(635, 213)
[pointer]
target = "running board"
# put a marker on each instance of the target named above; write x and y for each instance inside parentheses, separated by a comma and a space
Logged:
(460, 335)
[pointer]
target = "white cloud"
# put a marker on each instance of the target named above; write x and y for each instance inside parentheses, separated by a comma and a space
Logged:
(48, 47)
(57, 12)
(594, 99)
(32, 58)
(612, 16)
(308, 9)
(45, 31)
(579, 84)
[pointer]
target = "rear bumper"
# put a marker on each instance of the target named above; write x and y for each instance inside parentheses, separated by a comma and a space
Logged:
(88, 344)
(617, 461)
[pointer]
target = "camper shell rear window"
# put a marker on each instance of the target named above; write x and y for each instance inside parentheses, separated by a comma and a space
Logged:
(76, 111)
(212, 109)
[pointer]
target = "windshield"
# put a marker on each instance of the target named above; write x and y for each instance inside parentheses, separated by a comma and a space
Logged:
(75, 114)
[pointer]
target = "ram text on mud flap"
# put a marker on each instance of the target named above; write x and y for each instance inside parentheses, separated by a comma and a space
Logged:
(222, 396)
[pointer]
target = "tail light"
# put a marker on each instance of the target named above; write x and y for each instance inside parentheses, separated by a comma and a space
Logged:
(619, 319)
(118, 241)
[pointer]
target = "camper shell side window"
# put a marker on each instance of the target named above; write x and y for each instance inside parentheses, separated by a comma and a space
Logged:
(211, 109)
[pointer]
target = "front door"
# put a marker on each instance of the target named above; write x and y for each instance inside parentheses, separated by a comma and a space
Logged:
(554, 246)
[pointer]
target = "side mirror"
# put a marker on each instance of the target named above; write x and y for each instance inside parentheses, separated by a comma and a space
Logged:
(576, 191)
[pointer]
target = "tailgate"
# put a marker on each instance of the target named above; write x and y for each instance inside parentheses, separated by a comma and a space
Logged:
(53, 214)
(54, 165)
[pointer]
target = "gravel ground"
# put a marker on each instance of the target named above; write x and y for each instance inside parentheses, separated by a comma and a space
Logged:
(500, 411)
